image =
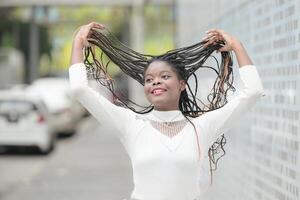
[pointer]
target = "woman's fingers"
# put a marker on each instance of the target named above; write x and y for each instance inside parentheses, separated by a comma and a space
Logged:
(85, 31)
(220, 34)
(96, 25)
(216, 31)
(212, 35)
(87, 28)
(211, 38)
(215, 35)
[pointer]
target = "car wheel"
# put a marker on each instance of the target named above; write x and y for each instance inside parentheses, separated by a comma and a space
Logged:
(67, 134)
(49, 149)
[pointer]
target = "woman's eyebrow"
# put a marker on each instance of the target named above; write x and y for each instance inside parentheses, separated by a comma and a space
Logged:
(159, 72)
(165, 71)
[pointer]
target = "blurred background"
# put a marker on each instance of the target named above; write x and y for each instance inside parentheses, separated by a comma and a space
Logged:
(52, 149)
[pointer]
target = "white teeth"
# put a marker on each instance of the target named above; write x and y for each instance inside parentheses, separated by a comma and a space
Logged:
(158, 91)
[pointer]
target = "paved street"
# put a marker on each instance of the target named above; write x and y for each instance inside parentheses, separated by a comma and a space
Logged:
(88, 166)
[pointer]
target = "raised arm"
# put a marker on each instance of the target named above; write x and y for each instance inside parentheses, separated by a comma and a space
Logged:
(108, 114)
(217, 122)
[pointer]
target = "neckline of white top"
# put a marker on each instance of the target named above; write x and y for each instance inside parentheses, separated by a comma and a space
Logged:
(166, 116)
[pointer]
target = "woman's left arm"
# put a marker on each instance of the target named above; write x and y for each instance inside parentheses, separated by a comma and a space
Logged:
(219, 121)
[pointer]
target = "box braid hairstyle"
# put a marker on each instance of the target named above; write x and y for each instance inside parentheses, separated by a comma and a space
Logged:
(185, 61)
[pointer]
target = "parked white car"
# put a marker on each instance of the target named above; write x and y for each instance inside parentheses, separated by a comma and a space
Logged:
(25, 121)
(63, 107)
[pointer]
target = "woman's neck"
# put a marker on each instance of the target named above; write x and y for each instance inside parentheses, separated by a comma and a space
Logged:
(166, 109)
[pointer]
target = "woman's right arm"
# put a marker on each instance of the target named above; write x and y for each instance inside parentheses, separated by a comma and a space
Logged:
(102, 109)
(80, 41)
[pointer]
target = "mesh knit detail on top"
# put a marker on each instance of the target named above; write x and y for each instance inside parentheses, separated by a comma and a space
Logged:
(169, 129)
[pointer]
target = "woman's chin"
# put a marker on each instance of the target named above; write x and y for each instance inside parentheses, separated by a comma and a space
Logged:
(161, 105)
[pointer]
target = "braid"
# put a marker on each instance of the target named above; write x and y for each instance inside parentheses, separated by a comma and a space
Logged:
(184, 60)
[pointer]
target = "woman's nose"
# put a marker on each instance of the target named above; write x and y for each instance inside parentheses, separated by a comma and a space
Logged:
(156, 81)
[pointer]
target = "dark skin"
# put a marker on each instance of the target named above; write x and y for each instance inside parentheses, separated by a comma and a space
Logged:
(163, 86)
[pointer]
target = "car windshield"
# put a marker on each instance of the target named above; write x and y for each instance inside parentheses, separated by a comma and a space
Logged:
(20, 106)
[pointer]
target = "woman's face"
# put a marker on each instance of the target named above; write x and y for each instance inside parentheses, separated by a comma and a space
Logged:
(162, 86)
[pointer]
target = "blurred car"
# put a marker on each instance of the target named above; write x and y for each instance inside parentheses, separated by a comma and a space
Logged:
(56, 93)
(25, 121)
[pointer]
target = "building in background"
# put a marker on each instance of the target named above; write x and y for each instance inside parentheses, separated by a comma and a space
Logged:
(262, 153)
(11, 67)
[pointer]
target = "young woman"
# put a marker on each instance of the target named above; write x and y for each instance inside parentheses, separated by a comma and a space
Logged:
(169, 141)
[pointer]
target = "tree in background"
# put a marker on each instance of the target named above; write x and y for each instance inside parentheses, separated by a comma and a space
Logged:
(57, 26)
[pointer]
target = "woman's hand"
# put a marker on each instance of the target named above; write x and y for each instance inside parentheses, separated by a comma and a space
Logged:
(80, 41)
(216, 35)
(81, 36)
(230, 44)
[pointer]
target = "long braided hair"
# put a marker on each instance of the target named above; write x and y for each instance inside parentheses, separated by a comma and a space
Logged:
(185, 61)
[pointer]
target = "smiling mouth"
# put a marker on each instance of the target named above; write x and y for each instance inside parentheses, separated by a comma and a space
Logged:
(158, 92)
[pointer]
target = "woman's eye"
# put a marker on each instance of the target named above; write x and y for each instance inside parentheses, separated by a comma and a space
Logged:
(148, 80)
(165, 76)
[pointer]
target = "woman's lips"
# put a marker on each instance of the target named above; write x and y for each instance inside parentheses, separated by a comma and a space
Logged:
(158, 92)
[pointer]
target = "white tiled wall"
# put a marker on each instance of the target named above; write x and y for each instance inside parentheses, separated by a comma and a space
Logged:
(262, 152)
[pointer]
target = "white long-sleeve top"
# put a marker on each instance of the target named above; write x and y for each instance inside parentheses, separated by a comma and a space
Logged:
(167, 168)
